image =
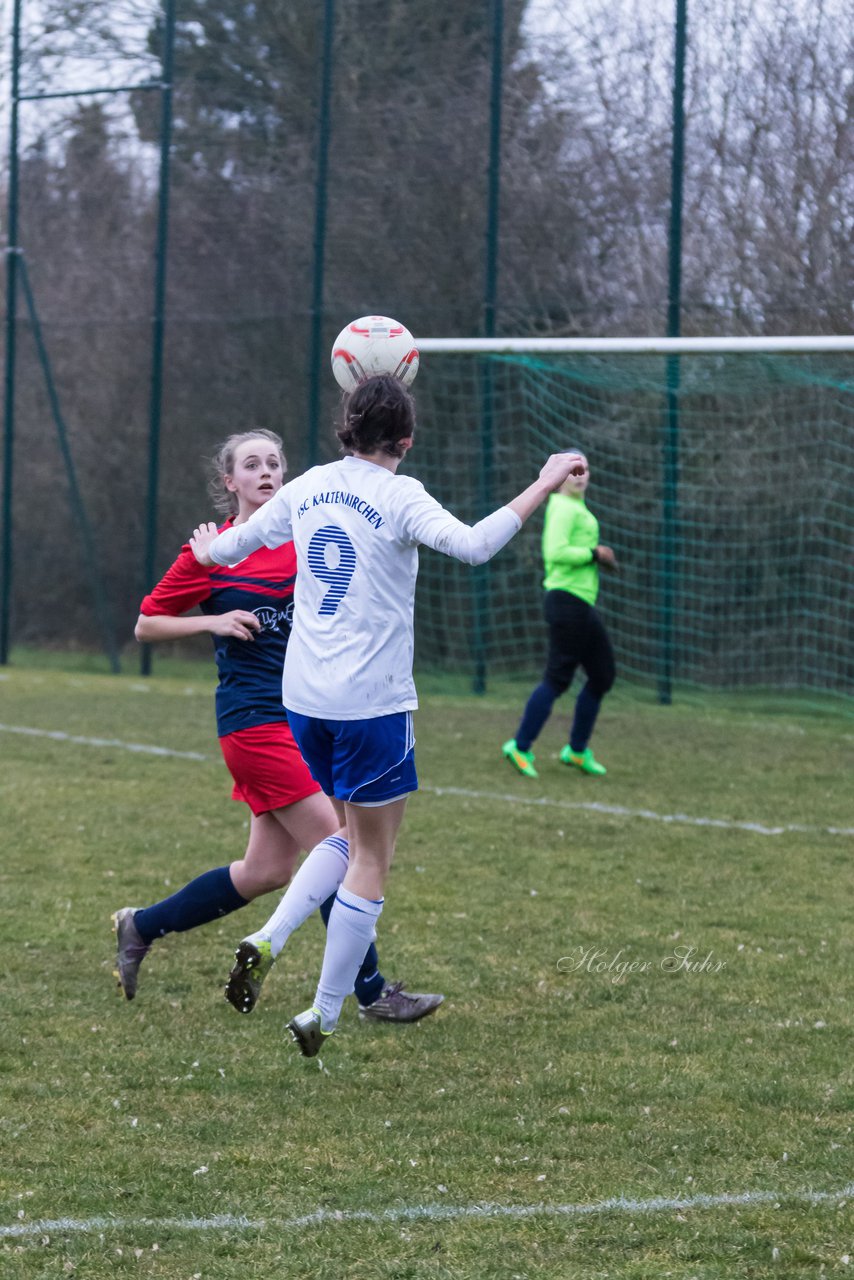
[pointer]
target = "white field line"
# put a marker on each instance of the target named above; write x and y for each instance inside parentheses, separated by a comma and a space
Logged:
(621, 811)
(428, 1212)
(58, 736)
(494, 797)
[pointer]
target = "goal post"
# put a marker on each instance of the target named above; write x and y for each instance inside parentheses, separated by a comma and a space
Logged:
(721, 473)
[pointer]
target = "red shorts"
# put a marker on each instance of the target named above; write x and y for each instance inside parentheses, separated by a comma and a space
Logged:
(267, 768)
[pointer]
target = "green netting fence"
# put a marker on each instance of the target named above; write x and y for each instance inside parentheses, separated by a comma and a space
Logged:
(728, 505)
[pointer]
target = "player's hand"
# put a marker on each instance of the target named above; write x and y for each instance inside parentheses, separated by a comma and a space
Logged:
(201, 541)
(557, 469)
(239, 624)
(606, 558)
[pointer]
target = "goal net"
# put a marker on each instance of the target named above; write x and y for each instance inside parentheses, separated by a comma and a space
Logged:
(721, 474)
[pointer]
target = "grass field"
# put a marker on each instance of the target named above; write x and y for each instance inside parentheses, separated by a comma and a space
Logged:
(558, 1117)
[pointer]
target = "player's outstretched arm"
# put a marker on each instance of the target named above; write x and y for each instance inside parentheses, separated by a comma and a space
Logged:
(551, 477)
(269, 526)
(429, 523)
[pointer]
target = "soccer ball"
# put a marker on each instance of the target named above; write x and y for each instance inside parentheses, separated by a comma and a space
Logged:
(373, 345)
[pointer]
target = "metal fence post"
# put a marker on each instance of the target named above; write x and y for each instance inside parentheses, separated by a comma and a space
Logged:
(490, 300)
(670, 441)
(315, 357)
(158, 317)
(12, 251)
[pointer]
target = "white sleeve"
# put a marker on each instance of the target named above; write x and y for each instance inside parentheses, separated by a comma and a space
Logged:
(424, 520)
(269, 526)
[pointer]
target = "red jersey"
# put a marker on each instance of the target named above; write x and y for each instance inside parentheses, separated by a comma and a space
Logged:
(250, 671)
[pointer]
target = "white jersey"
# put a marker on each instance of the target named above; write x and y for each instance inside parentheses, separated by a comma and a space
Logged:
(356, 527)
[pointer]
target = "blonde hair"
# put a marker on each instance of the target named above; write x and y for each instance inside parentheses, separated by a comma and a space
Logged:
(222, 465)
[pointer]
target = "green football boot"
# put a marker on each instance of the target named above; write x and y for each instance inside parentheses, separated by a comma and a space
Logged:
(252, 962)
(583, 760)
(521, 760)
(307, 1032)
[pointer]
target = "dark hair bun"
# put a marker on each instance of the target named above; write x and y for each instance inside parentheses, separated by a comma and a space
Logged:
(377, 415)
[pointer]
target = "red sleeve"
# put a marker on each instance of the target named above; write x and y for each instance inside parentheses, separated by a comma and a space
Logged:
(185, 584)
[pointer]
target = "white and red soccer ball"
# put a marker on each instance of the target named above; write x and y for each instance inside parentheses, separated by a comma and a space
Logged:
(370, 346)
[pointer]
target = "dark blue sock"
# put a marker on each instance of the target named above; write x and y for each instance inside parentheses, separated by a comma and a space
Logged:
(369, 981)
(586, 710)
(206, 898)
(536, 713)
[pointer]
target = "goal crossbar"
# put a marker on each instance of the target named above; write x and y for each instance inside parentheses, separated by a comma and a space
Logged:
(638, 346)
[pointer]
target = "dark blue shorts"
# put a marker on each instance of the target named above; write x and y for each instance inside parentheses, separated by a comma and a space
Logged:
(369, 762)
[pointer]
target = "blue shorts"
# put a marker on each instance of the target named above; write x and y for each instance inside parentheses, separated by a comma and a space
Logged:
(369, 762)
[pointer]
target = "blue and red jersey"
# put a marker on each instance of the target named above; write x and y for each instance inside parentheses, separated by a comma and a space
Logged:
(250, 671)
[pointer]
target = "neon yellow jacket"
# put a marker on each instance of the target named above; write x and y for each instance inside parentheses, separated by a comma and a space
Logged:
(569, 535)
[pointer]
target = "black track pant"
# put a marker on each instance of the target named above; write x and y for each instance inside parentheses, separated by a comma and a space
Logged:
(577, 637)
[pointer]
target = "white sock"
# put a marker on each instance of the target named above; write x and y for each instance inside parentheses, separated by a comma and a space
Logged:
(351, 930)
(317, 879)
